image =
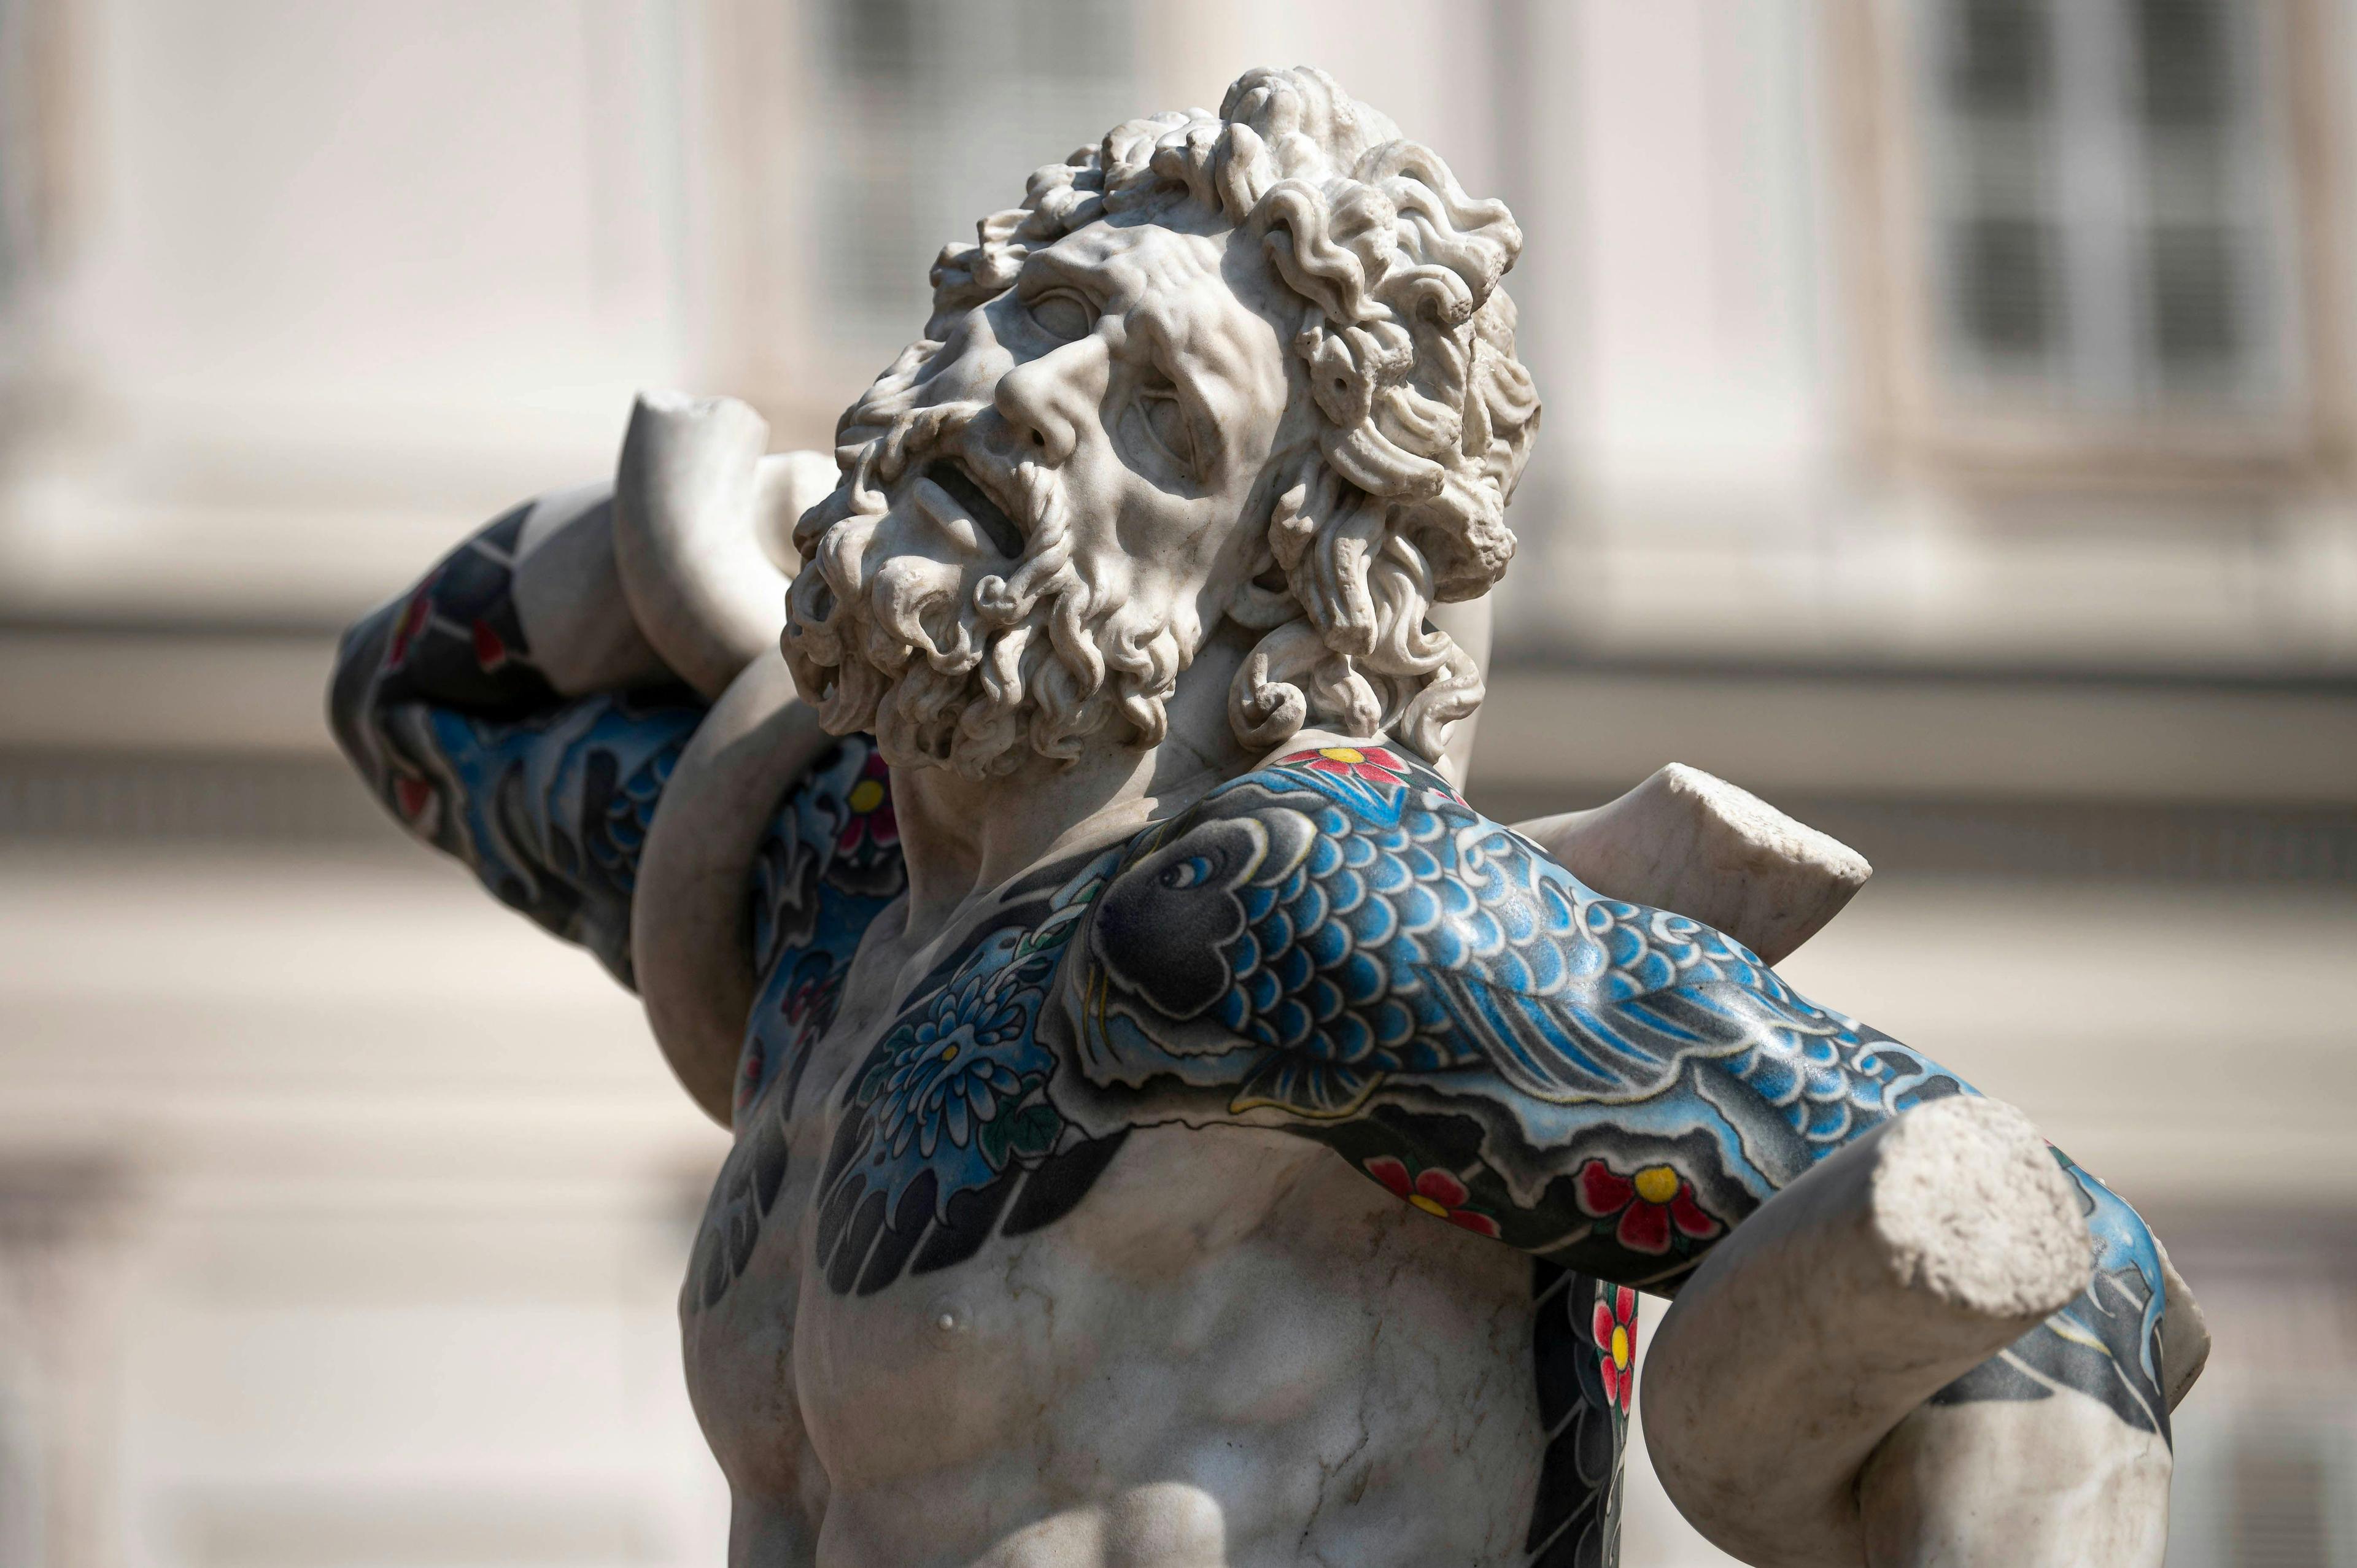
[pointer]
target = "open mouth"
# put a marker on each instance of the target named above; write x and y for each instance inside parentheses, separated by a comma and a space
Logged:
(950, 475)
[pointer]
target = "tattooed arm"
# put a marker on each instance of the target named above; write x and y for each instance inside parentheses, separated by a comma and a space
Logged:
(507, 712)
(1337, 945)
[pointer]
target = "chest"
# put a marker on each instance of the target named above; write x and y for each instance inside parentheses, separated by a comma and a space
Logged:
(892, 1118)
(1193, 1291)
(913, 1261)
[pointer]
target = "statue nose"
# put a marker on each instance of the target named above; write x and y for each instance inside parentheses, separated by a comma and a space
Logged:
(1044, 402)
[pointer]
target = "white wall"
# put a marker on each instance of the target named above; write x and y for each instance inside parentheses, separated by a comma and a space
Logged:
(341, 278)
(347, 278)
(401, 1199)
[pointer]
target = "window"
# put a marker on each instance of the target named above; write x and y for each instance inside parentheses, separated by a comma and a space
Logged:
(847, 141)
(934, 110)
(2104, 193)
(2091, 216)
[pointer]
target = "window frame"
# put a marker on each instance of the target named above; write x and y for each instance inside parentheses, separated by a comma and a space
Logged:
(1916, 416)
(772, 332)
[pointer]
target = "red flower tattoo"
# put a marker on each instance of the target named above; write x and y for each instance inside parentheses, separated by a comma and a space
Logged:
(1436, 1192)
(748, 1074)
(1652, 1208)
(1615, 1329)
(414, 797)
(1368, 764)
(870, 800)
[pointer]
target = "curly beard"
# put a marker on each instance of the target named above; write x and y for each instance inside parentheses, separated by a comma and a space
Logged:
(945, 671)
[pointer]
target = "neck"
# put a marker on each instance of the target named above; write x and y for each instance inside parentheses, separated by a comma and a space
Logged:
(964, 838)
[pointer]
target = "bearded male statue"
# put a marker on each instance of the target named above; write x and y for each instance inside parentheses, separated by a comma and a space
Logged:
(1171, 1126)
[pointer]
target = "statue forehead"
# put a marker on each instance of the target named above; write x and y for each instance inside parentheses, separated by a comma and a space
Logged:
(1216, 302)
(1190, 265)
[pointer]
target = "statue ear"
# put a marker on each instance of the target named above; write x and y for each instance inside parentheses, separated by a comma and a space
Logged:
(1263, 600)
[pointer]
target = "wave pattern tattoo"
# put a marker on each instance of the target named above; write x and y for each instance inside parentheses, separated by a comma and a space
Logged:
(2105, 1344)
(550, 812)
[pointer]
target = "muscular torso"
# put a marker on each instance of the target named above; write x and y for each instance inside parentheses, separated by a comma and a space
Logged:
(1151, 1212)
(1147, 1339)
(1226, 1345)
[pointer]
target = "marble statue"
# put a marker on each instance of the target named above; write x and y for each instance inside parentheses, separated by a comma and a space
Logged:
(1171, 1126)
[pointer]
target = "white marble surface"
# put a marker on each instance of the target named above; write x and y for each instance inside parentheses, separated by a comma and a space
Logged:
(1851, 1296)
(1686, 841)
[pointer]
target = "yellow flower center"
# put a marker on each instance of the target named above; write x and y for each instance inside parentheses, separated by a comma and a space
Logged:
(1429, 1205)
(1620, 1346)
(1657, 1184)
(1341, 753)
(866, 794)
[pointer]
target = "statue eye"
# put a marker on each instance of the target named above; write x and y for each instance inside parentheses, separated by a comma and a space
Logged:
(1165, 424)
(1063, 315)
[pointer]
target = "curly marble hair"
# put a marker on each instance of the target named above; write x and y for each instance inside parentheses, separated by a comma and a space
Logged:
(1424, 416)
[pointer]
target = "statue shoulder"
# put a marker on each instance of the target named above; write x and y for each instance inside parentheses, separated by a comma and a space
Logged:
(1342, 914)
(1328, 867)
(1349, 808)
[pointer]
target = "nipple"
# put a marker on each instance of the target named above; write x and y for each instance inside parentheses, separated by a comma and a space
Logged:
(949, 1318)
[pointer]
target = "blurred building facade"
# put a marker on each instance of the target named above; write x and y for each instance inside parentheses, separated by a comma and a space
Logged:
(1948, 436)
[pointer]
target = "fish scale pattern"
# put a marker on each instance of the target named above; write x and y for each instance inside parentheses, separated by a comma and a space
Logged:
(1369, 922)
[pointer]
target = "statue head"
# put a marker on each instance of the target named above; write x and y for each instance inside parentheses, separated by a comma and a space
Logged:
(1253, 367)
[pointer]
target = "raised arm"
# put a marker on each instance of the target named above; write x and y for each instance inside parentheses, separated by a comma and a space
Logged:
(507, 712)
